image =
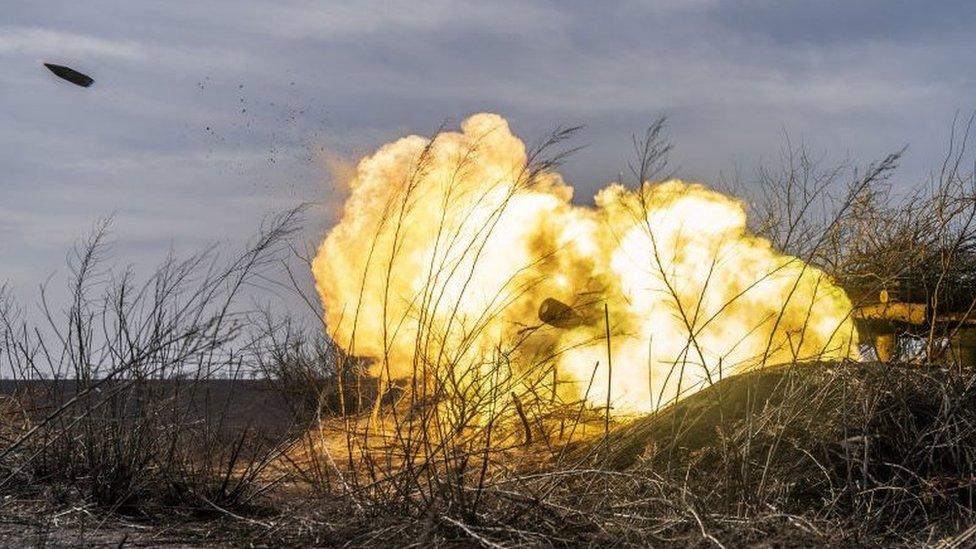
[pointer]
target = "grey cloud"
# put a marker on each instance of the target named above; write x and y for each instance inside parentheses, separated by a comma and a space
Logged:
(41, 42)
(33, 41)
(206, 115)
(335, 21)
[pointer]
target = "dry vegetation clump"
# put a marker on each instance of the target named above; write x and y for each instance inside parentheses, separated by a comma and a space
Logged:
(855, 452)
(915, 244)
(832, 453)
(126, 400)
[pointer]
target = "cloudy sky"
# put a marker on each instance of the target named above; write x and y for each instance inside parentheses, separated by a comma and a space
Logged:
(206, 116)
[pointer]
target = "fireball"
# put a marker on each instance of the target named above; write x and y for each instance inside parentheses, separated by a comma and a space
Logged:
(453, 254)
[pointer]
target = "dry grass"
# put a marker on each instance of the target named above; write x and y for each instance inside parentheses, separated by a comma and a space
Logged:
(112, 401)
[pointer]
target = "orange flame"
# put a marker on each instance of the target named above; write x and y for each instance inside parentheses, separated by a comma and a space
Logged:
(447, 247)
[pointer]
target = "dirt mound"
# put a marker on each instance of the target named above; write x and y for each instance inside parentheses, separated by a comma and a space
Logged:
(890, 449)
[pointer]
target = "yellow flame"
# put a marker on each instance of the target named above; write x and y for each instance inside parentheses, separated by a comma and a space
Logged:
(446, 249)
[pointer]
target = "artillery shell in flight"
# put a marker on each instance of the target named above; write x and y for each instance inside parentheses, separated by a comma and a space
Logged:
(70, 75)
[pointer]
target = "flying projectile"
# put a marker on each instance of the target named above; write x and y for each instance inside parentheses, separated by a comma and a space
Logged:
(70, 75)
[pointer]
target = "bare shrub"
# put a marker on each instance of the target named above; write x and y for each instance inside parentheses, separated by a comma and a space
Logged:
(917, 246)
(117, 388)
